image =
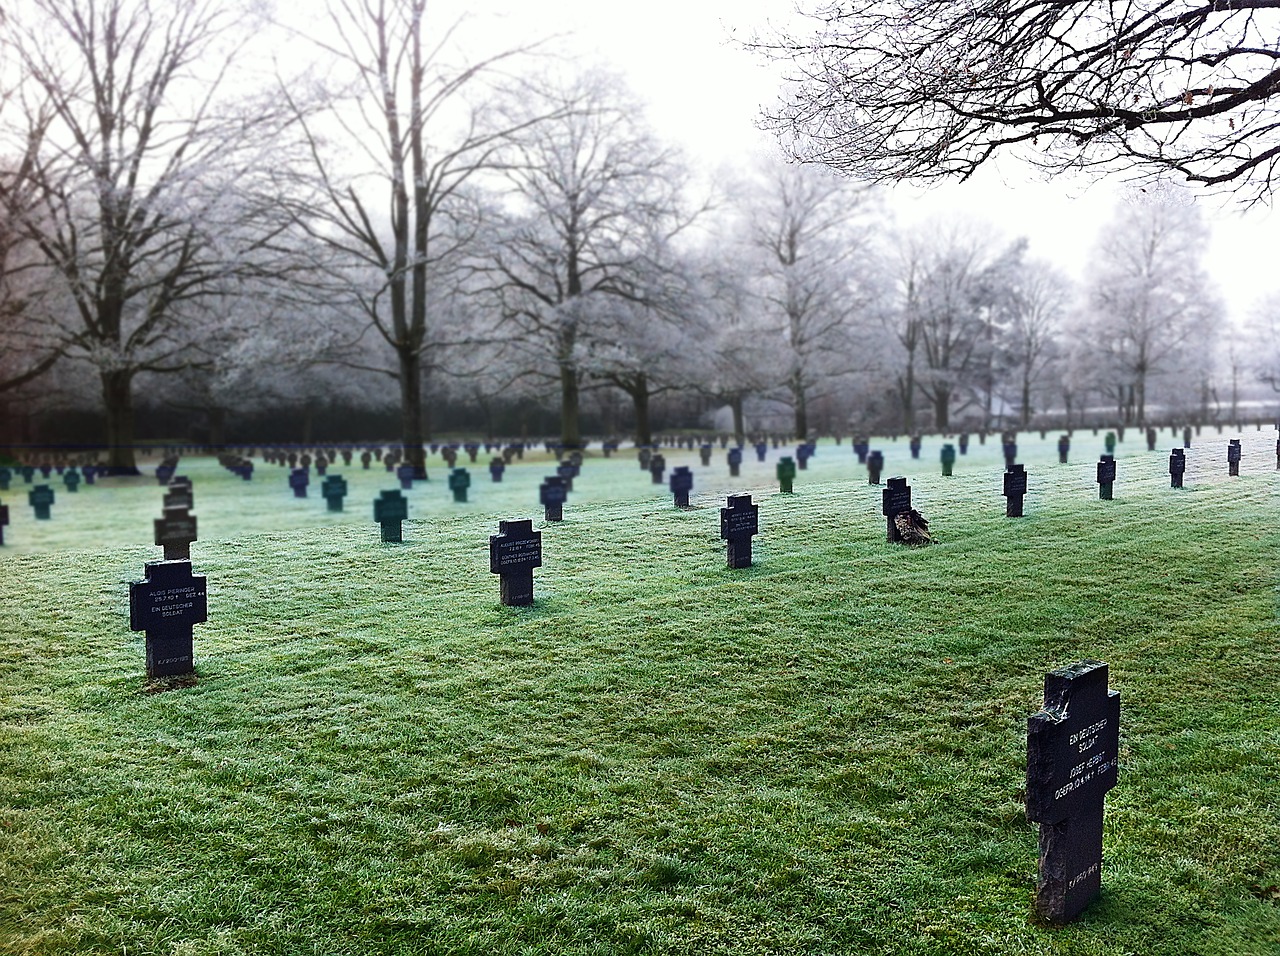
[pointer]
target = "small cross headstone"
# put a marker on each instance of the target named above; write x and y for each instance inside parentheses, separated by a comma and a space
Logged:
(657, 468)
(786, 472)
(459, 482)
(346, 456)
(1177, 467)
(803, 452)
(167, 604)
(861, 445)
(1015, 489)
(175, 532)
(1233, 458)
(895, 499)
(644, 455)
(389, 510)
(1010, 449)
(472, 449)
(762, 450)
(1110, 441)
(496, 467)
(875, 465)
(734, 457)
(1073, 749)
(513, 553)
(333, 489)
(1064, 446)
(40, 498)
(948, 459)
(179, 496)
(551, 495)
(365, 458)
(299, 478)
(1151, 439)
(322, 464)
(71, 478)
(914, 445)
(4, 520)
(704, 452)
(681, 483)
(405, 474)
(963, 441)
(566, 472)
(1106, 476)
(738, 523)
(1186, 437)
(90, 473)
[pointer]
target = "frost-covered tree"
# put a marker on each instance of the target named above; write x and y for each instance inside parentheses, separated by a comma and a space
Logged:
(1030, 314)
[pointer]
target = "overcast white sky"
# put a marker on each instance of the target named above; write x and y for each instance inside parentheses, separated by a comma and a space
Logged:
(704, 94)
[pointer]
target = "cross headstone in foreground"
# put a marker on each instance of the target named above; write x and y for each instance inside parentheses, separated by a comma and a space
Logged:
(1072, 761)
(1177, 467)
(738, 523)
(41, 497)
(1015, 489)
(389, 510)
(167, 604)
(175, 532)
(333, 489)
(1233, 458)
(1106, 476)
(895, 499)
(513, 553)
(681, 483)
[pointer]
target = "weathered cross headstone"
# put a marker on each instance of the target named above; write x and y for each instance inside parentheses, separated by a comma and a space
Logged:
(895, 499)
(299, 478)
(681, 483)
(71, 478)
(389, 510)
(914, 445)
(90, 472)
(513, 553)
(762, 450)
(786, 473)
(1064, 446)
(1151, 439)
(180, 496)
(704, 452)
(322, 465)
(644, 456)
(1010, 449)
(567, 472)
(963, 442)
(1233, 458)
(365, 458)
(1110, 441)
(167, 604)
(657, 468)
(802, 456)
(1106, 476)
(861, 445)
(1177, 467)
(40, 498)
(1073, 749)
(459, 482)
(738, 523)
(734, 457)
(1186, 437)
(1015, 489)
(333, 489)
(875, 465)
(948, 459)
(496, 467)
(405, 475)
(175, 532)
(551, 495)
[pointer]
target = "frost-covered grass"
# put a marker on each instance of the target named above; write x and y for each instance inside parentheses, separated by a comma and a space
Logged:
(821, 753)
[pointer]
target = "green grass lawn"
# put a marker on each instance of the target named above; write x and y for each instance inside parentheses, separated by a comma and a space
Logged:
(822, 753)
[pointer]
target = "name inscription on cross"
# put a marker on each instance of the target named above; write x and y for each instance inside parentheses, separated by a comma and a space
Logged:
(1073, 747)
(738, 523)
(167, 604)
(513, 554)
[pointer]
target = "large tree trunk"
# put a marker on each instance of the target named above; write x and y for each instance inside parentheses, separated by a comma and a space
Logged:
(739, 432)
(941, 409)
(411, 431)
(1026, 402)
(570, 433)
(217, 426)
(801, 407)
(117, 400)
(640, 399)
(907, 396)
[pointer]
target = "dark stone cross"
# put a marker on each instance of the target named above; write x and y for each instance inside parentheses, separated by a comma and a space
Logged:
(1015, 489)
(1010, 449)
(40, 498)
(704, 452)
(405, 474)
(472, 449)
(734, 457)
(567, 472)
(803, 451)
(1106, 476)
(1151, 439)
(90, 473)
(365, 458)
(4, 520)
(551, 495)
(681, 483)
(895, 499)
(644, 455)
(71, 478)
(175, 532)
(322, 465)
(1073, 749)
(389, 510)
(1064, 446)
(167, 604)
(299, 478)
(28, 473)
(657, 468)
(6, 476)
(1186, 437)
(914, 445)
(875, 465)
(179, 496)
(861, 445)
(963, 441)
(738, 523)
(762, 450)
(333, 489)
(1233, 458)
(786, 472)
(459, 482)
(496, 467)
(1177, 467)
(948, 459)
(513, 553)
(1110, 441)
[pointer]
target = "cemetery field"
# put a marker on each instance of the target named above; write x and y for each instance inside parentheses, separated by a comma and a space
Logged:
(822, 753)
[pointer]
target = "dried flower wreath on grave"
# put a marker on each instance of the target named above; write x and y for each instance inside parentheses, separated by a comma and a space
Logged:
(913, 528)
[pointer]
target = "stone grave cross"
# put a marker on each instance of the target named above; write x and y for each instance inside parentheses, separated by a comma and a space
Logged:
(4, 520)
(1106, 476)
(948, 459)
(333, 489)
(895, 499)
(1177, 467)
(1015, 489)
(389, 510)
(1233, 458)
(459, 482)
(167, 605)
(681, 483)
(513, 553)
(40, 498)
(786, 472)
(738, 523)
(1072, 761)
(551, 495)
(175, 532)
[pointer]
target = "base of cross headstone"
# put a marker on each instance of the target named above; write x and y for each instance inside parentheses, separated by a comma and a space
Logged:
(391, 533)
(1175, 481)
(170, 658)
(1070, 869)
(335, 504)
(1013, 508)
(946, 471)
(1062, 459)
(1104, 492)
(873, 478)
(891, 532)
(733, 469)
(682, 499)
(177, 552)
(785, 487)
(1233, 469)
(553, 512)
(517, 589)
(739, 553)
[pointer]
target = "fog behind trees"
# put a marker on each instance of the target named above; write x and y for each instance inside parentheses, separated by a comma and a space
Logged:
(411, 239)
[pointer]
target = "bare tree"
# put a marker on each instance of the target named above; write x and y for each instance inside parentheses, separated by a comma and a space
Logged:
(930, 89)
(1262, 337)
(1151, 302)
(1031, 312)
(594, 203)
